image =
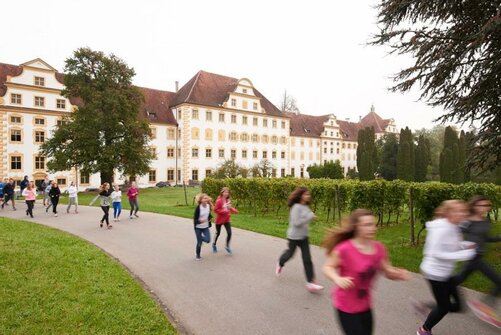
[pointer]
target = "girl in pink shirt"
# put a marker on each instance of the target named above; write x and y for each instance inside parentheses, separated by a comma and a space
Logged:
(354, 259)
(30, 194)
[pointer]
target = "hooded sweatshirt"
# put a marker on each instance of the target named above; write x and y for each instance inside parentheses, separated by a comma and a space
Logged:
(443, 248)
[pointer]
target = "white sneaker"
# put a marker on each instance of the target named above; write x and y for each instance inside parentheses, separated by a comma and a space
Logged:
(55, 215)
(314, 288)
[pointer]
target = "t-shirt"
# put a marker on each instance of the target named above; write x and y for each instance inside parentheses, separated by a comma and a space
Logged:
(362, 268)
(116, 196)
(204, 215)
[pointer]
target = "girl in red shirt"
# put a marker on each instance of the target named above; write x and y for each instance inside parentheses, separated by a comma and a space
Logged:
(223, 211)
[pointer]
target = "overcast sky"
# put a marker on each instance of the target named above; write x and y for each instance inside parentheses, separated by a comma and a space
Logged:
(314, 49)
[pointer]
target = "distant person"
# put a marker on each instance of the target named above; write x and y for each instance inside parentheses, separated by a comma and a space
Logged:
(202, 222)
(43, 186)
(223, 209)
(47, 201)
(24, 183)
(30, 195)
(116, 197)
(54, 195)
(443, 248)
(72, 197)
(132, 194)
(8, 191)
(104, 202)
(354, 260)
(300, 216)
(2, 184)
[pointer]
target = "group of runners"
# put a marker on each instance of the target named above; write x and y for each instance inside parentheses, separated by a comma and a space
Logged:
(354, 257)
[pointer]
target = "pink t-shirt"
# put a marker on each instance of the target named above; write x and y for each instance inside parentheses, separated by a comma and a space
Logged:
(362, 268)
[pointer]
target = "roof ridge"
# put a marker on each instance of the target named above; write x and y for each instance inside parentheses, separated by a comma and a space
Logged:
(193, 86)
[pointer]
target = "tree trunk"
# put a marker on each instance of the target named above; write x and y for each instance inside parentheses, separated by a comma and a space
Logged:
(106, 177)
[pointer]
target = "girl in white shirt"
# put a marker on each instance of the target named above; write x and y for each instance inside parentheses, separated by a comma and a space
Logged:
(202, 221)
(72, 197)
(116, 197)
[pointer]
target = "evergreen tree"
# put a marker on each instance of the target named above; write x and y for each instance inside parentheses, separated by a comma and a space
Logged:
(406, 156)
(422, 158)
(388, 165)
(366, 153)
(450, 165)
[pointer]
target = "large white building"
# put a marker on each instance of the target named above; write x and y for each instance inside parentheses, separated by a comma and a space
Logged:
(212, 118)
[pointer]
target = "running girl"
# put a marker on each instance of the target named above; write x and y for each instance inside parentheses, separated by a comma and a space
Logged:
(223, 211)
(202, 222)
(132, 194)
(72, 197)
(30, 194)
(116, 197)
(54, 194)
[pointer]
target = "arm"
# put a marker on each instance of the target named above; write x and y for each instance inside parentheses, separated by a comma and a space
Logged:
(392, 272)
(196, 216)
(218, 208)
(330, 270)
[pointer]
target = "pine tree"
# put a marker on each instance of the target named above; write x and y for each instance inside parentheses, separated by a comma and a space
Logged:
(422, 158)
(366, 153)
(388, 166)
(450, 165)
(406, 156)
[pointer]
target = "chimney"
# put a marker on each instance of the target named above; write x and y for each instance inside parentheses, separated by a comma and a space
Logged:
(360, 118)
(177, 85)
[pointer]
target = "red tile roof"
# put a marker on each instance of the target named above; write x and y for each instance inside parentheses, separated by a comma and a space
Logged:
(306, 125)
(349, 130)
(210, 89)
(156, 106)
(375, 121)
(8, 70)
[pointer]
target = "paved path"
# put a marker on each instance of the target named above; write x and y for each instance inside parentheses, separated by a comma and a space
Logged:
(238, 294)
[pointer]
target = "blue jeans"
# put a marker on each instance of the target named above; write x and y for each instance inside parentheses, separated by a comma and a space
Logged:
(117, 209)
(203, 235)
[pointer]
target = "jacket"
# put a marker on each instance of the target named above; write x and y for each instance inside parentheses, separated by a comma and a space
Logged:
(8, 189)
(54, 192)
(196, 217)
(223, 214)
(478, 232)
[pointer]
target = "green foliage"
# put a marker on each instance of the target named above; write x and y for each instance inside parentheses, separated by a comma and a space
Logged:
(406, 156)
(423, 157)
(388, 165)
(330, 170)
(366, 154)
(228, 169)
(106, 134)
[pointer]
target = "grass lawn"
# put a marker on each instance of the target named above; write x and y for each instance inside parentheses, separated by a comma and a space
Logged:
(54, 283)
(171, 200)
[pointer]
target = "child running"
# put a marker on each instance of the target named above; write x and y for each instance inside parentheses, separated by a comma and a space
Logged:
(116, 197)
(46, 200)
(202, 221)
(223, 211)
(72, 197)
(104, 195)
(54, 194)
(30, 194)
(443, 248)
(300, 217)
(132, 194)
(354, 259)
(8, 191)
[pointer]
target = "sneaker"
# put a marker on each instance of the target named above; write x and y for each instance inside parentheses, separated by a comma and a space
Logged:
(118, 219)
(421, 331)
(109, 226)
(278, 270)
(101, 224)
(198, 258)
(313, 287)
(68, 211)
(31, 216)
(55, 214)
(76, 212)
(27, 213)
(114, 220)
(214, 248)
(136, 215)
(485, 313)
(130, 217)
(228, 250)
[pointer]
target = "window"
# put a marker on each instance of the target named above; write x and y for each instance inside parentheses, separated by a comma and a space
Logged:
(301, 155)
(61, 181)
(282, 172)
(208, 116)
(170, 134)
(84, 178)
(221, 135)
(265, 154)
(244, 119)
(178, 174)
(273, 173)
(15, 99)
(170, 174)
(39, 136)
(153, 153)
(274, 139)
(194, 152)
(179, 114)
(170, 152)
(233, 136)
(244, 137)
(254, 154)
(15, 162)
(293, 155)
(39, 81)
(264, 138)
(254, 121)
(337, 151)
(255, 138)
(153, 132)
(302, 142)
(221, 153)
(310, 156)
(349, 145)
(208, 134)
(15, 119)
(194, 174)
(274, 123)
(39, 163)
(61, 103)
(283, 140)
(39, 101)
(332, 133)
(274, 154)
(244, 153)
(208, 172)
(233, 102)
(195, 134)
(265, 123)
(301, 173)
(332, 150)
(282, 155)
(233, 118)
(221, 117)
(254, 106)
(293, 141)
(39, 121)
(208, 153)
(194, 114)
(15, 135)
(343, 145)
(244, 90)
(245, 104)
(152, 176)
(293, 172)
(325, 150)
(283, 124)
(233, 154)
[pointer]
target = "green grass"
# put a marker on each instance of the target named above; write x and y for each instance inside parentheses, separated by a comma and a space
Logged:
(54, 283)
(396, 237)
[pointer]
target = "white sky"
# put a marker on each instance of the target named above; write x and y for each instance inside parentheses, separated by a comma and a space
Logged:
(314, 49)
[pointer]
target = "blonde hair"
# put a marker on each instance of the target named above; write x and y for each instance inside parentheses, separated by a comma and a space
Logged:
(200, 196)
(347, 230)
(446, 206)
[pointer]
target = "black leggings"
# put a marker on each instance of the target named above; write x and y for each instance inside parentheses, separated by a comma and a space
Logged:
(54, 202)
(305, 253)
(31, 204)
(356, 324)
(227, 226)
(442, 291)
(106, 216)
(134, 207)
(477, 264)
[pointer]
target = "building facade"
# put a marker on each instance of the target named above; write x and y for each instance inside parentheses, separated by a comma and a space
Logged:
(212, 118)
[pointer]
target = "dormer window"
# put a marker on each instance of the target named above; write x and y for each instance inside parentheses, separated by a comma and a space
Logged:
(151, 115)
(39, 81)
(244, 90)
(233, 102)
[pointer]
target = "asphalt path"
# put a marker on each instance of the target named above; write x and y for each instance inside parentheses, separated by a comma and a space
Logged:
(239, 293)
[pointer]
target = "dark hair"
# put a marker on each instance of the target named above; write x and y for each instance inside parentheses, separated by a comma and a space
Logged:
(295, 196)
(346, 231)
(474, 201)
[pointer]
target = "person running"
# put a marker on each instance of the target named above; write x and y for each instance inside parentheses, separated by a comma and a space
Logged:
(300, 216)
(43, 186)
(54, 195)
(24, 183)
(223, 211)
(104, 196)
(477, 230)
(47, 201)
(72, 197)
(30, 194)
(2, 184)
(202, 222)
(444, 247)
(116, 197)
(354, 259)
(132, 194)
(8, 191)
